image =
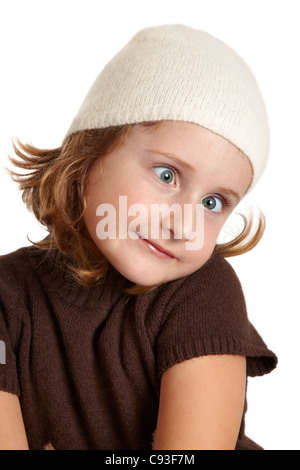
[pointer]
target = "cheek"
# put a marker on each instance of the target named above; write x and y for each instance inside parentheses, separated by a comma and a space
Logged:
(96, 194)
(120, 208)
(198, 257)
(90, 221)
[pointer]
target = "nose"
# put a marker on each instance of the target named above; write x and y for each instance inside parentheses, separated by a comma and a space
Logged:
(182, 222)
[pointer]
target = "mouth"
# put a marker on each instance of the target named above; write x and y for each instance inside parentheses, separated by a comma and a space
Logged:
(157, 250)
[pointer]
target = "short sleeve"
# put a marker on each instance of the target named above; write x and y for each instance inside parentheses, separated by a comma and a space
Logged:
(8, 364)
(208, 316)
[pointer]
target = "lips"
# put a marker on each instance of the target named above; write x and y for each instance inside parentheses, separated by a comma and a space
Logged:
(157, 250)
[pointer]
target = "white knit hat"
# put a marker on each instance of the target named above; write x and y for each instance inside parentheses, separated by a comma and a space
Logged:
(174, 72)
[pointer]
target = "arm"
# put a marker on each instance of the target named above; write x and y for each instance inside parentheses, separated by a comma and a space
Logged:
(12, 431)
(201, 404)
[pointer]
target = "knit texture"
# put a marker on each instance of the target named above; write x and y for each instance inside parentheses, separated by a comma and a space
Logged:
(86, 362)
(174, 72)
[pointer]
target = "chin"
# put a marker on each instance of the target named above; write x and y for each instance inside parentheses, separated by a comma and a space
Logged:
(144, 280)
(143, 277)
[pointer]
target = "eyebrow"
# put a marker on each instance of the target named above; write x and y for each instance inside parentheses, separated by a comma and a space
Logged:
(230, 192)
(174, 158)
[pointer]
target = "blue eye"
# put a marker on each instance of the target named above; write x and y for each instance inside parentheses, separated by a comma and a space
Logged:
(213, 203)
(165, 174)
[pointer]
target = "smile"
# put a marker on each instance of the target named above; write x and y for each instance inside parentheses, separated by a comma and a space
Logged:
(157, 250)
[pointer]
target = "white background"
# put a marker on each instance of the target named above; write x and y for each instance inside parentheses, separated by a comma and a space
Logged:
(51, 52)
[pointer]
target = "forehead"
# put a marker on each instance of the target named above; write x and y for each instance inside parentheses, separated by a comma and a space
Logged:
(198, 150)
(179, 133)
(190, 142)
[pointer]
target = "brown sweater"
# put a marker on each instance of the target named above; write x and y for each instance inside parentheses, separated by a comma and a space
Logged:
(86, 362)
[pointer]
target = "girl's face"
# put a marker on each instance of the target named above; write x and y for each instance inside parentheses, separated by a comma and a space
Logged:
(173, 163)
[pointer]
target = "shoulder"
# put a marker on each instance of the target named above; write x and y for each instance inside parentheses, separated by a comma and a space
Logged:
(196, 297)
(216, 290)
(217, 276)
(209, 302)
(15, 263)
(17, 270)
(213, 290)
(13, 268)
(207, 315)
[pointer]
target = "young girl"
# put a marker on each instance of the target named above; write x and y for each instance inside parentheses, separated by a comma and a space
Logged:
(116, 338)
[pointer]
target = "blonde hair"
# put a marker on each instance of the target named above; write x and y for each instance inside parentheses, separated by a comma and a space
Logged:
(53, 188)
